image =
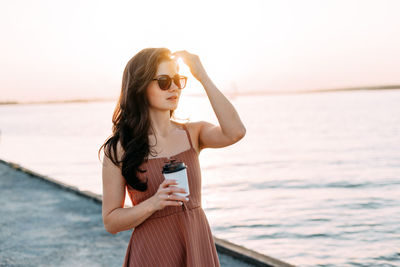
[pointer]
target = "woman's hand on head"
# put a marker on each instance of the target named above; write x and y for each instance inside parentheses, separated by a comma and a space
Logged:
(193, 62)
(165, 195)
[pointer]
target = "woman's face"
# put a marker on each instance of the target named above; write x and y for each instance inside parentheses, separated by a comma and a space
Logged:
(164, 99)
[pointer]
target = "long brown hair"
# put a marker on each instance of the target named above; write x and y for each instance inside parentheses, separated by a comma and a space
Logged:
(131, 119)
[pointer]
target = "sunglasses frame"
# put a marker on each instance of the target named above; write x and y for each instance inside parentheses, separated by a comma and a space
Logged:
(170, 80)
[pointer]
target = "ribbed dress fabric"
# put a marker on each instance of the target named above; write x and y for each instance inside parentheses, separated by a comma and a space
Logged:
(173, 236)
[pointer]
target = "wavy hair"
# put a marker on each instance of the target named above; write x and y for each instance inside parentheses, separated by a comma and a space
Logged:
(131, 119)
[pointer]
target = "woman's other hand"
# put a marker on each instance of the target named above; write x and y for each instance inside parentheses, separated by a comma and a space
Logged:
(165, 195)
(193, 62)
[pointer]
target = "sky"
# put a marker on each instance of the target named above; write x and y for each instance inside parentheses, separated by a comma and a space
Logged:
(62, 50)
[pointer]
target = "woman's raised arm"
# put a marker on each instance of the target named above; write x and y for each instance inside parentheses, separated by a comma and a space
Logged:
(231, 128)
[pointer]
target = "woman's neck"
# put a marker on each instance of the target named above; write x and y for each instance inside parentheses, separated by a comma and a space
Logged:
(160, 120)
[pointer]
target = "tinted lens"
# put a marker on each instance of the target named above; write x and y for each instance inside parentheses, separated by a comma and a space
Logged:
(180, 81)
(164, 82)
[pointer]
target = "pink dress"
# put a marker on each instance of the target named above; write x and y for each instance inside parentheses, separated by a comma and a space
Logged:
(173, 236)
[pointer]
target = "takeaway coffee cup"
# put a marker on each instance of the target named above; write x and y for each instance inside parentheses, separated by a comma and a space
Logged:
(177, 170)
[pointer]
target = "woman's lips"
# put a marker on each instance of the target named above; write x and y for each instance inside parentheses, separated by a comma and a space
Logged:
(173, 98)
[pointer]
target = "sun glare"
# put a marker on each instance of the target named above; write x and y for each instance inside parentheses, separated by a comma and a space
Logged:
(183, 68)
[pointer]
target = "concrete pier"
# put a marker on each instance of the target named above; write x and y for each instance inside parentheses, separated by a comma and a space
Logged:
(44, 222)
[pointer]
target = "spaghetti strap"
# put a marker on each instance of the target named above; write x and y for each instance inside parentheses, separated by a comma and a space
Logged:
(188, 135)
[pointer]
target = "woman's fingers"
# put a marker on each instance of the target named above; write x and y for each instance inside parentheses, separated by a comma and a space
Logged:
(180, 53)
(170, 185)
(176, 198)
(193, 62)
(172, 190)
(167, 194)
(185, 55)
(168, 182)
(174, 203)
(175, 189)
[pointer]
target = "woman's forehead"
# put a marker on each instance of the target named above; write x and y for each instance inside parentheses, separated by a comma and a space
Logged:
(168, 67)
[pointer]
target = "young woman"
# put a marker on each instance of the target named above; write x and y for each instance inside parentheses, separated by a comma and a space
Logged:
(169, 229)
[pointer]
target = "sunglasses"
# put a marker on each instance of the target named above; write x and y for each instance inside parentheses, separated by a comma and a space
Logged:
(164, 81)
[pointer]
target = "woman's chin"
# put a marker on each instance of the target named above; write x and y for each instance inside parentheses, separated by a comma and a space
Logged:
(173, 106)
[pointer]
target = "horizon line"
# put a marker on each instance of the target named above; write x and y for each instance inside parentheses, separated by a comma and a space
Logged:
(232, 94)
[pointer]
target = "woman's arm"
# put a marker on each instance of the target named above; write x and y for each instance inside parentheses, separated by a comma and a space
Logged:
(231, 128)
(116, 218)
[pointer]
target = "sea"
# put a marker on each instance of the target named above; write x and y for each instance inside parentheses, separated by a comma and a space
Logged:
(315, 181)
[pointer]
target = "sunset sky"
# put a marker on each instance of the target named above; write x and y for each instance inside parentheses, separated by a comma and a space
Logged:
(60, 50)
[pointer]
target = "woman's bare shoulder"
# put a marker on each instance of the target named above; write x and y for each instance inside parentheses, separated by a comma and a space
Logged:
(196, 125)
(192, 125)
(194, 131)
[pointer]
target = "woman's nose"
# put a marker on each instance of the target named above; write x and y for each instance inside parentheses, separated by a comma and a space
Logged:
(173, 87)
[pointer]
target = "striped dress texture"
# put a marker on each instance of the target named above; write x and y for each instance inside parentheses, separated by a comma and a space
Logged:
(173, 236)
